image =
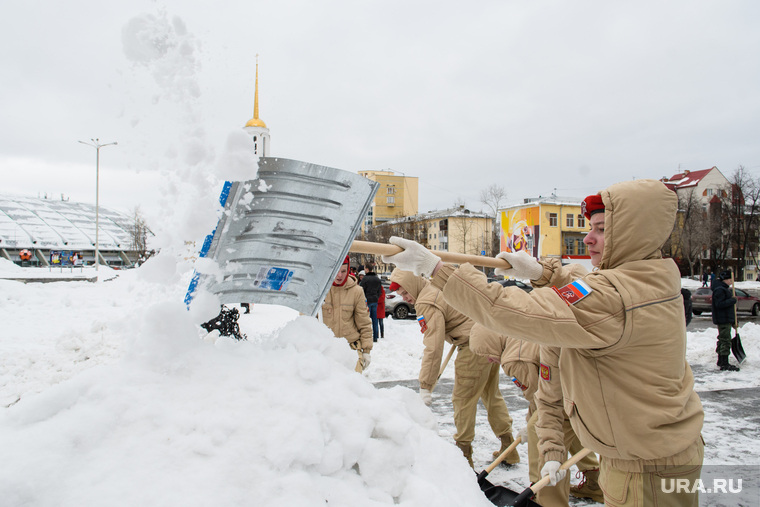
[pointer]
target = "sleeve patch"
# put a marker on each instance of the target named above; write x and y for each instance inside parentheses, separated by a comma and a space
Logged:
(546, 372)
(423, 324)
(519, 384)
(574, 292)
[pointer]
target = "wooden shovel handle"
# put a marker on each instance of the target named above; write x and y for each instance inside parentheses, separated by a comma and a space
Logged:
(443, 366)
(367, 247)
(503, 455)
(567, 464)
(733, 292)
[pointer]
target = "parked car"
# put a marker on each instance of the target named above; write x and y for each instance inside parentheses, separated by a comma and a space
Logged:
(397, 307)
(515, 283)
(701, 301)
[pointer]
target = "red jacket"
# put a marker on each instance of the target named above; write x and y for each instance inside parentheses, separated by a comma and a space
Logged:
(381, 304)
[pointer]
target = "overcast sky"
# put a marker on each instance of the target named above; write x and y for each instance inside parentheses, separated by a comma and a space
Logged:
(531, 95)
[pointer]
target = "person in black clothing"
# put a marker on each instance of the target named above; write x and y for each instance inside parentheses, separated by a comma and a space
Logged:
(372, 291)
(724, 316)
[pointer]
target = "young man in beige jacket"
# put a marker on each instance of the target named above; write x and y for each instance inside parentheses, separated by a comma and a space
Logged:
(474, 377)
(345, 312)
(626, 385)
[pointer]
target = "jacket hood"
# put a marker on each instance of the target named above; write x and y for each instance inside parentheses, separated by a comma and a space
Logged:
(410, 282)
(638, 219)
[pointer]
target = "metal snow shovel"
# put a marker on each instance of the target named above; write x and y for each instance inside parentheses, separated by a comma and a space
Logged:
(736, 342)
(283, 236)
(499, 495)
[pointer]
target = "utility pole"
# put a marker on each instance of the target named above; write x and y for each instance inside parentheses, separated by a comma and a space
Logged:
(97, 145)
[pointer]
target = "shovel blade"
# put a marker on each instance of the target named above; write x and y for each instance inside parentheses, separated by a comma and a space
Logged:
(283, 236)
(501, 496)
(736, 348)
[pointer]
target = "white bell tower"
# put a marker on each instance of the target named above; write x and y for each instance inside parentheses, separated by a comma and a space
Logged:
(255, 127)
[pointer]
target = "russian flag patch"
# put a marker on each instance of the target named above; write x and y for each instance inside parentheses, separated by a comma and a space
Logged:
(423, 324)
(574, 292)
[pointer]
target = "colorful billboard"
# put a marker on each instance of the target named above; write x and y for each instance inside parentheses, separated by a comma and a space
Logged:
(520, 230)
(65, 258)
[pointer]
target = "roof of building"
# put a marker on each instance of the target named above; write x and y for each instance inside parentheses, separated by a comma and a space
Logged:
(551, 199)
(28, 222)
(456, 211)
(686, 179)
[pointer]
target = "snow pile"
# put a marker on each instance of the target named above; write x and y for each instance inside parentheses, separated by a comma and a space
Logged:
(155, 415)
(8, 266)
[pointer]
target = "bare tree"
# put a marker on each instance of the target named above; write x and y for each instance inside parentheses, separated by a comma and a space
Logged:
(690, 236)
(733, 222)
(139, 236)
(494, 196)
(745, 212)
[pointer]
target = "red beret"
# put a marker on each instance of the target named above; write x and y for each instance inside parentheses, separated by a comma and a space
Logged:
(394, 287)
(591, 205)
(345, 261)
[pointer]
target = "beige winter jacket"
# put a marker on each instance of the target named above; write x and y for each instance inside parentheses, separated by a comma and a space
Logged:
(440, 323)
(627, 387)
(519, 359)
(345, 312)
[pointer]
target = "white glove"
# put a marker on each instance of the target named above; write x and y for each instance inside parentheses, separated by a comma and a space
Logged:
(523, 266)
(427, 396)
(523, 434)
(415, 257)
(365, 360)
(551, 468)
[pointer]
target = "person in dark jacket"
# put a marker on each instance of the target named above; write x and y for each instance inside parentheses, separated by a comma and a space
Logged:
(723, 316)
(373, 288)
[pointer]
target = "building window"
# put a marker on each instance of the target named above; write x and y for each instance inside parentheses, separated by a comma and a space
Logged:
(552, 220)
(391, 189)
(570, 221)
(569, 246)
(391, 199)
(708, 192)
(581, 221)
(581, 247)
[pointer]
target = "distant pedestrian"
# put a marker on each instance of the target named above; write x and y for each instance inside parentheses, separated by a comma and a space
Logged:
(723, 315)
(705, 278)
(381, 312)
(372, 289)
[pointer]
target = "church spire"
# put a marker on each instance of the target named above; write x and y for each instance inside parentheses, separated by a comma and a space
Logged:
(255, 127)
(255, 121)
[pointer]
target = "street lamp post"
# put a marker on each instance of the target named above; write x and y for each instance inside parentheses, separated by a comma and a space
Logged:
(97, 145)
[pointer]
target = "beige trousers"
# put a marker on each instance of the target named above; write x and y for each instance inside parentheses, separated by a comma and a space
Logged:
(631, 489)
(477, 379)
(555, 496)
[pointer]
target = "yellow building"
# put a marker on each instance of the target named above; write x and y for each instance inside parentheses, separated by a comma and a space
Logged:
(546, 227)
(397, 197)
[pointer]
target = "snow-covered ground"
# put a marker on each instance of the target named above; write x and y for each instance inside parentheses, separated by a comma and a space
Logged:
(111, 394)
